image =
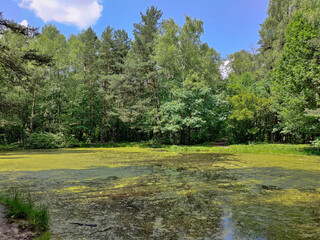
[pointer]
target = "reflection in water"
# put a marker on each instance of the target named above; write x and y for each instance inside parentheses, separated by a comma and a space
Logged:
(230, 230)
(227, 227)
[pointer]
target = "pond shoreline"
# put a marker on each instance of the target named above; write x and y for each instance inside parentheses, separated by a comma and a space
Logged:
(255, 148)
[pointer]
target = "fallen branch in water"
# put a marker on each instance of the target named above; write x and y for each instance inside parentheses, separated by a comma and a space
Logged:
(85, 224)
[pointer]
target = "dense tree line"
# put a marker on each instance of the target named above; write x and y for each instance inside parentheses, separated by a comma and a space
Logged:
(164, 84)
(274, 93)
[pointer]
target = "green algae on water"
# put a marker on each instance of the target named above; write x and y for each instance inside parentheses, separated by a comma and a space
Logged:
(156, 194)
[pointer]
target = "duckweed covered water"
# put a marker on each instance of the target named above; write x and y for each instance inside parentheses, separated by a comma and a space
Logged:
(134, 193)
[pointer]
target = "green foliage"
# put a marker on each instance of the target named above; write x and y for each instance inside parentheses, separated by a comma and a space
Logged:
(138, 84)
(113, 50)
(164, 85)
(272, 31)
(20, 72)
(190, 110)
(44, 141)
(191, 116)
(296, 79)
(11, 146)
(150, 144)
(242, 62)
(316, 143)
(251, 116)
(70, 142)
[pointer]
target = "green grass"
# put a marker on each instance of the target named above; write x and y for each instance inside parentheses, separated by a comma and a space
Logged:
(299, 149)
(21, 207)
(45, 236)
(261, 148)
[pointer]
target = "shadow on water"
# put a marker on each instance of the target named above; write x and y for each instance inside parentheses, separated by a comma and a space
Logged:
(277, 178)
(279, 204)
(274, 219)
(62, 178)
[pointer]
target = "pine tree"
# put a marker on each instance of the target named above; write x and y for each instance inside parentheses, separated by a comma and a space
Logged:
(140, 79)
(86, 110)
(113, 50)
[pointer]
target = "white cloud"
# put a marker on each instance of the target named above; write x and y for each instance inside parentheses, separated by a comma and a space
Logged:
(81, 13)
(24, 23)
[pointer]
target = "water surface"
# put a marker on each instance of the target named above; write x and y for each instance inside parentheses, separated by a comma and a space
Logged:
(133, 193)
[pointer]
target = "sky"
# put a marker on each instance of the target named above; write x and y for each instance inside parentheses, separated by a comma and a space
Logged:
(229, 25)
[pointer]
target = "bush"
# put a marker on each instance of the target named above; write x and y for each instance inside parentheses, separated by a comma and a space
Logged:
(151, 144)
(316, 143)
(71, 142)
(11, 146)
(44, 141)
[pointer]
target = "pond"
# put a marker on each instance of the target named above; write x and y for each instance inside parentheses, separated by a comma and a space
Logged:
(136, 193)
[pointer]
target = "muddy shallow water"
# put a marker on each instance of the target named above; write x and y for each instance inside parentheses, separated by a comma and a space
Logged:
(133, 193)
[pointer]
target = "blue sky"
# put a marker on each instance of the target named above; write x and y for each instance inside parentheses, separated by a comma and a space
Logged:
(229, 25)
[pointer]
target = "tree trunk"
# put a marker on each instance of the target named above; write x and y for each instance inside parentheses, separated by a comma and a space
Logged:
(156, 102)
(59, 105)
(102, 139)
(90, 94)
(91, 133)
(32, 111)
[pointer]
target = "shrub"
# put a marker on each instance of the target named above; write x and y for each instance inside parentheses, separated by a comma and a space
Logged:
(11, 146)
(151, 144)
(316, 143)
(72, 142)
(44, 141)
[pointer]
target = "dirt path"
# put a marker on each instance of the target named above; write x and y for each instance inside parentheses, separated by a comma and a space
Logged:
(11, 231)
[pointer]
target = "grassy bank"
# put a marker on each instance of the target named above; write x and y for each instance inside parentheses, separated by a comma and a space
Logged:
(261, 148)
(303, 149)
(21, 207)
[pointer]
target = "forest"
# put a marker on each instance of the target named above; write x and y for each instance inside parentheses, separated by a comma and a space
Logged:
(164, 85)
